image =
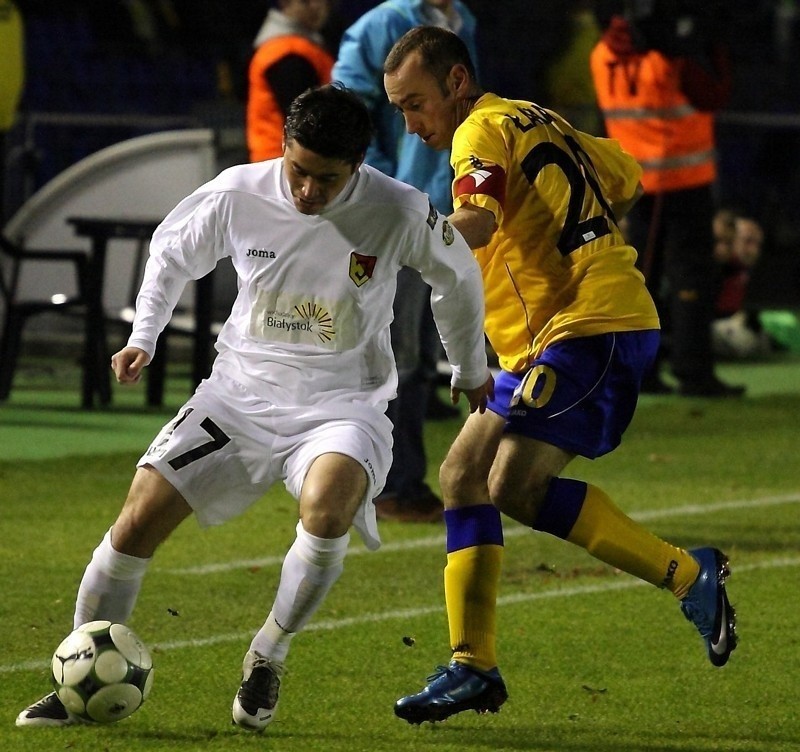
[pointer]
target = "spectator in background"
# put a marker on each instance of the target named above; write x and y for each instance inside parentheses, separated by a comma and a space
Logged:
(406, 497)
(659, 77)
(723, 228)
(290, 57)
(736, 332)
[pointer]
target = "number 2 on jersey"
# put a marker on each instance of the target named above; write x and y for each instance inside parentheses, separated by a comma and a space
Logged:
(579, 173)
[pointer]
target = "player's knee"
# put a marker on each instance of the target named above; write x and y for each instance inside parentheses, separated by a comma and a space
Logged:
(458, 480)
(506, 498)
(516, 500)
(325, 521)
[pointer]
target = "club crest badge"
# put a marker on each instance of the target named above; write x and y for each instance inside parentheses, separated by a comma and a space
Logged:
(361, 268)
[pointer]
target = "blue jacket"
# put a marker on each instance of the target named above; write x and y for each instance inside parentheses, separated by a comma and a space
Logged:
(362, 51)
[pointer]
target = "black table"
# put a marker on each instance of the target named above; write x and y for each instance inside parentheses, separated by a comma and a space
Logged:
(96, 375)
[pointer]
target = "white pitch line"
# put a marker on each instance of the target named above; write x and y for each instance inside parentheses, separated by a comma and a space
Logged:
(512, 530)
(414, 613)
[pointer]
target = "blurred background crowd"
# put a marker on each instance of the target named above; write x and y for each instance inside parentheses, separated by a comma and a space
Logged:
(100, 71)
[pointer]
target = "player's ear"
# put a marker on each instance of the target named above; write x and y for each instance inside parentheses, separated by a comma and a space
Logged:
(458, 80)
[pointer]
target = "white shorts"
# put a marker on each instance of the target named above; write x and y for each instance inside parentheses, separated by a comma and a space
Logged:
(226, 447)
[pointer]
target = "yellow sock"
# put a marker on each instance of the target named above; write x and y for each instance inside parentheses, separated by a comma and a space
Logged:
(611, 536)
(470, 588)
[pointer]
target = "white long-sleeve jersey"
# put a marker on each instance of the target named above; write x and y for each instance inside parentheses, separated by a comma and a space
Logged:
(310, 323)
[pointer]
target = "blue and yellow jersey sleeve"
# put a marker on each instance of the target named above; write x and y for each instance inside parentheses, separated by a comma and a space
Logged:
(557, 265)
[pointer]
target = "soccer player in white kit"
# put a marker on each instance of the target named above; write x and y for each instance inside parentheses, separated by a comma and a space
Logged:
(303, 374)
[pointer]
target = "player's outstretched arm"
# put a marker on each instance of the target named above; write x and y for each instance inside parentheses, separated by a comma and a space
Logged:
(128, 363)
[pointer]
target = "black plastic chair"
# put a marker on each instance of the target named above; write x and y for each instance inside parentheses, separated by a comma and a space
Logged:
(17, 311)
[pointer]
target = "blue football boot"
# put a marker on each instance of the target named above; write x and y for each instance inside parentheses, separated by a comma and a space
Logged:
(453, 689)
(706, 605)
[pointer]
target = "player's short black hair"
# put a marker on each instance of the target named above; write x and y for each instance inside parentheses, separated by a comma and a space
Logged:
(439, 50)
(331, 121)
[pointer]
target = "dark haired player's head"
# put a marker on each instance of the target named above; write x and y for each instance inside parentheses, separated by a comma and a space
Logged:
(331, 121)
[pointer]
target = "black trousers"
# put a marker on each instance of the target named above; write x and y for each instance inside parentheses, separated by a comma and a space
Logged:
(673, 235)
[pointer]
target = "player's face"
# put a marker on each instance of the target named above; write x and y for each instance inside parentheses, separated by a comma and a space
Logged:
(429, 112)
(314, 181)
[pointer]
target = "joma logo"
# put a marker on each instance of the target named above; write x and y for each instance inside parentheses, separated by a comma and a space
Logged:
(260, 253)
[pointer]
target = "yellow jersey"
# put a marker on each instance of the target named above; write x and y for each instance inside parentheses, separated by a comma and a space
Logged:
(557, 265)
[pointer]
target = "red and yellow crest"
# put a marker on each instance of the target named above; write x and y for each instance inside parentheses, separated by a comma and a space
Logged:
(361, 268)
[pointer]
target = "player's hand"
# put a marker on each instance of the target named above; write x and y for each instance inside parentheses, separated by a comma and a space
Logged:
(477, 397)
(128, 363)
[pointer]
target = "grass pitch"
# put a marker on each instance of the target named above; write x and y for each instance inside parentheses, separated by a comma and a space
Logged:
(594, 660)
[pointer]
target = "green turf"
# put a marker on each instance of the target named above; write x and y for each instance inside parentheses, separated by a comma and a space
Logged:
(43, 418)
(594, 661)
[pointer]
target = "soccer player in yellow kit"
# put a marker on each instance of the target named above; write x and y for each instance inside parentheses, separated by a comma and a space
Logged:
(575, 329)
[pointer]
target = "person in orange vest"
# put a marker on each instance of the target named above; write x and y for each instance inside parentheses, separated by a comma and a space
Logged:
(659, 75)
(290, 57)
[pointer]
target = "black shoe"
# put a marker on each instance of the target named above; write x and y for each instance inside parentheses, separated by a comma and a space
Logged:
(711, 387)
(257, 699)
(49, 711)
(425, 507)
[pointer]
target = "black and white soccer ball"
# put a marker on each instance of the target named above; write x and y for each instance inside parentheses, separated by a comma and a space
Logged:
(102, 672)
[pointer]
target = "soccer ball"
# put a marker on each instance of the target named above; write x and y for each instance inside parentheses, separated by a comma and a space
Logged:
(102, 672)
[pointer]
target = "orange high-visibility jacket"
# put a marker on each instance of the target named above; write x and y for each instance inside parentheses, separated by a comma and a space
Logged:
(645, 110)
(264, 116)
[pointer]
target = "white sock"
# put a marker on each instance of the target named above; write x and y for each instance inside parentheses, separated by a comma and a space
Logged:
(110, 585)
(311, 567)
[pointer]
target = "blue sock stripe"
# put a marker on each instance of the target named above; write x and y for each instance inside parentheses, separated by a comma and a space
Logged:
(561, 507)
(473, 526)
